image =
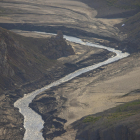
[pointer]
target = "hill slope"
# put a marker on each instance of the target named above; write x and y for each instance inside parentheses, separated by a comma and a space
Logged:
(132, 29)
(25, 66)
(120, 123)
(27, 59)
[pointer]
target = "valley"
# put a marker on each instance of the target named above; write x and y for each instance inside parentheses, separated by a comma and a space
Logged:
(83, 107)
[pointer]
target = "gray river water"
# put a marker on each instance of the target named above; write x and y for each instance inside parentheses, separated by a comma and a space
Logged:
(33, 122)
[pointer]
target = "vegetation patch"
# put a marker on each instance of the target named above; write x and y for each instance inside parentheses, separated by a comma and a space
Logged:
(128, 106)
(115, 114)
(122, 112)
(91, 119)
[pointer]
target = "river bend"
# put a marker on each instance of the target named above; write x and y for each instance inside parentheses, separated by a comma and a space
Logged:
(33, 122)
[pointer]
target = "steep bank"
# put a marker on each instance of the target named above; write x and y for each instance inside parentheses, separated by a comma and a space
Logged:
(132, 29)
(27, 59)
(129, 11)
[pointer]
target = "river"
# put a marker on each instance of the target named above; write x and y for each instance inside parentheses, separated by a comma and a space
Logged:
(33, 122)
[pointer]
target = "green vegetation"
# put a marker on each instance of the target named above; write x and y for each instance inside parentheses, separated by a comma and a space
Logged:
(120, 115)
(115, 114)
(124, 111)
(128, 106)
(91, 119)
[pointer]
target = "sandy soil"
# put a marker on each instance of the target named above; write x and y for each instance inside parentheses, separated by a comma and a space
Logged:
(93, 93)
(97, 90)
(74, 14)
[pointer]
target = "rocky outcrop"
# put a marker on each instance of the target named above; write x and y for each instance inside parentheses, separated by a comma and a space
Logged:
(25, 59)
(56, 47)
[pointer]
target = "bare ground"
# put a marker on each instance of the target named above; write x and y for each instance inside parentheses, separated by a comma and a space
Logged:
(94, 91)
(98, 91)
(74, 14)
(91, 92)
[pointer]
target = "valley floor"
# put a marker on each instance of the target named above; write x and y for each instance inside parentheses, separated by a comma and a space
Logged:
(89, 93)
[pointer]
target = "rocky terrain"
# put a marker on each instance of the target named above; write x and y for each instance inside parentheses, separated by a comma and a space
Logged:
(21, 57)
(22, 68)
(118, 123)
(91, 93)
(67, 108)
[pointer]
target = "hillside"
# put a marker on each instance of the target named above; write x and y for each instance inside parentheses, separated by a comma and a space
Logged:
(114, 8)
(25, 65)
(132, 29)
(27, 59)
(119, 123)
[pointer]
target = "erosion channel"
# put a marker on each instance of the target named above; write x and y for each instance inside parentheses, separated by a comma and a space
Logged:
(33, 122)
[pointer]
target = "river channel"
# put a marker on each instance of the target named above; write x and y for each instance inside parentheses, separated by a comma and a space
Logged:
(33, 122)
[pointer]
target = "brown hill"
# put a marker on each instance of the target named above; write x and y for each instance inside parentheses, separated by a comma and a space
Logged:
(25, 65)
(25, 59)
(132, 29)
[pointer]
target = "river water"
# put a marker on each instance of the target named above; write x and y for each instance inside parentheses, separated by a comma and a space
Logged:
(33, 122)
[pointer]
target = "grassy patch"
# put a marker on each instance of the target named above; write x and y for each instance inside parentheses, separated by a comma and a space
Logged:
(123, 111)
(91, 119)
(127, 106)
(120, 115)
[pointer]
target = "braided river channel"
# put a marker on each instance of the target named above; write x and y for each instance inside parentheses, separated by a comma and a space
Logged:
(33, 122)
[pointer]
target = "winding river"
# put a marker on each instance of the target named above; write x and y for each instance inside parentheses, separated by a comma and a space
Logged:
(33, 122)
